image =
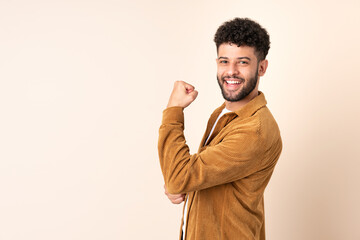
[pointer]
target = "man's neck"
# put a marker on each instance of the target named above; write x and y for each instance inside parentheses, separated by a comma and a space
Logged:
(234, 106)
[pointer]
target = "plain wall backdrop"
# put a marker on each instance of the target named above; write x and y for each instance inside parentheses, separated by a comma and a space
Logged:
(82, 89)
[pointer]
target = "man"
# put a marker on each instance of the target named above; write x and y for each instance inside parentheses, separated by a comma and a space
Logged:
(224, 182)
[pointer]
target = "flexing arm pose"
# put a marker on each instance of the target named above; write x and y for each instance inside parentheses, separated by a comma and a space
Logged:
(183, 95)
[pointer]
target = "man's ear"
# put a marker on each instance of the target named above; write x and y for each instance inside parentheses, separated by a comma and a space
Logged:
(262, 67)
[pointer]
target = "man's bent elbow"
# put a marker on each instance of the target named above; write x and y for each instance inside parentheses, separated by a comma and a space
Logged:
(174, 187)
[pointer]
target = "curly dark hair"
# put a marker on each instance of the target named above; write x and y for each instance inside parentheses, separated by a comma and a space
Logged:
(244, 32)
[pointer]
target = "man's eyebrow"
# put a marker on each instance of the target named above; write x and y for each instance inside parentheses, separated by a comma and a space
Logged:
(244, 58)
(239, 58)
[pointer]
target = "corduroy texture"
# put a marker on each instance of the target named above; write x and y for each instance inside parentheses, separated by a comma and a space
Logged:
(226, 179)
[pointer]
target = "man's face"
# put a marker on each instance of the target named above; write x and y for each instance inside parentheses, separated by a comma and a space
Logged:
(237, 71)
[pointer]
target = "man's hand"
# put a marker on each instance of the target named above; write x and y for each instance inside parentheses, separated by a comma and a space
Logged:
(182, 95)
(175, 198)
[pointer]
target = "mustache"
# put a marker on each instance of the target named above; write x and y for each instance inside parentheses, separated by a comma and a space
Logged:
(232, 76)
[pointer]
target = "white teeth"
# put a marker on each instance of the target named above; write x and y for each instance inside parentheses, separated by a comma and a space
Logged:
(233, 82)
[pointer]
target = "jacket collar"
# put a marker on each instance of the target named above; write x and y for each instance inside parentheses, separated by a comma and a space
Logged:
(249, 109)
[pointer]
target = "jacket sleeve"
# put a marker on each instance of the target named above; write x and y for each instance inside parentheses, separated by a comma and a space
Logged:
(236, 156)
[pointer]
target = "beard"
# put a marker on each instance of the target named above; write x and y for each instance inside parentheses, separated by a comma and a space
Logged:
(248, 87)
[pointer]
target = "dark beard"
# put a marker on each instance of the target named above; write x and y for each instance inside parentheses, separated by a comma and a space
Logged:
(246, 90)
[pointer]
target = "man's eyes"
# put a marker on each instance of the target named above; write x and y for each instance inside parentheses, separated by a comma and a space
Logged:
(239, 62)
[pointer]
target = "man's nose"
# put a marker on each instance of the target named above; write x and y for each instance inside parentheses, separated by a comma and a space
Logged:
(232, 69)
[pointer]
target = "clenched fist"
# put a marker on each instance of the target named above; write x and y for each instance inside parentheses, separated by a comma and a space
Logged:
(182, 95)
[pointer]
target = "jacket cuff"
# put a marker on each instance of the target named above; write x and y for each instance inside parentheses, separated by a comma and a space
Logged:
(173, 115)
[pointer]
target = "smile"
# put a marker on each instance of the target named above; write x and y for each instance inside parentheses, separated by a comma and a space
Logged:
(232, 82)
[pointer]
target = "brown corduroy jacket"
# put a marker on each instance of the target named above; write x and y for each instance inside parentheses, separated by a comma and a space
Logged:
(226, 179)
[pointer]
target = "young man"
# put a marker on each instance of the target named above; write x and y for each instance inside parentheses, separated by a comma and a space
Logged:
(224, 183)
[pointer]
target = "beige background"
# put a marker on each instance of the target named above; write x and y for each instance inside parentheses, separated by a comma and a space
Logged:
(83, 85)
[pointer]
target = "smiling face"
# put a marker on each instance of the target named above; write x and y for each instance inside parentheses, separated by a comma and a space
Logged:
(238, 71)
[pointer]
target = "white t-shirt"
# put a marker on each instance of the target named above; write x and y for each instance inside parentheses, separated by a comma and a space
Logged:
(212, 129)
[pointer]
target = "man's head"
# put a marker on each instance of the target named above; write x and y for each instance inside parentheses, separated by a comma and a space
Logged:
(242, 46)
(244, 32)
